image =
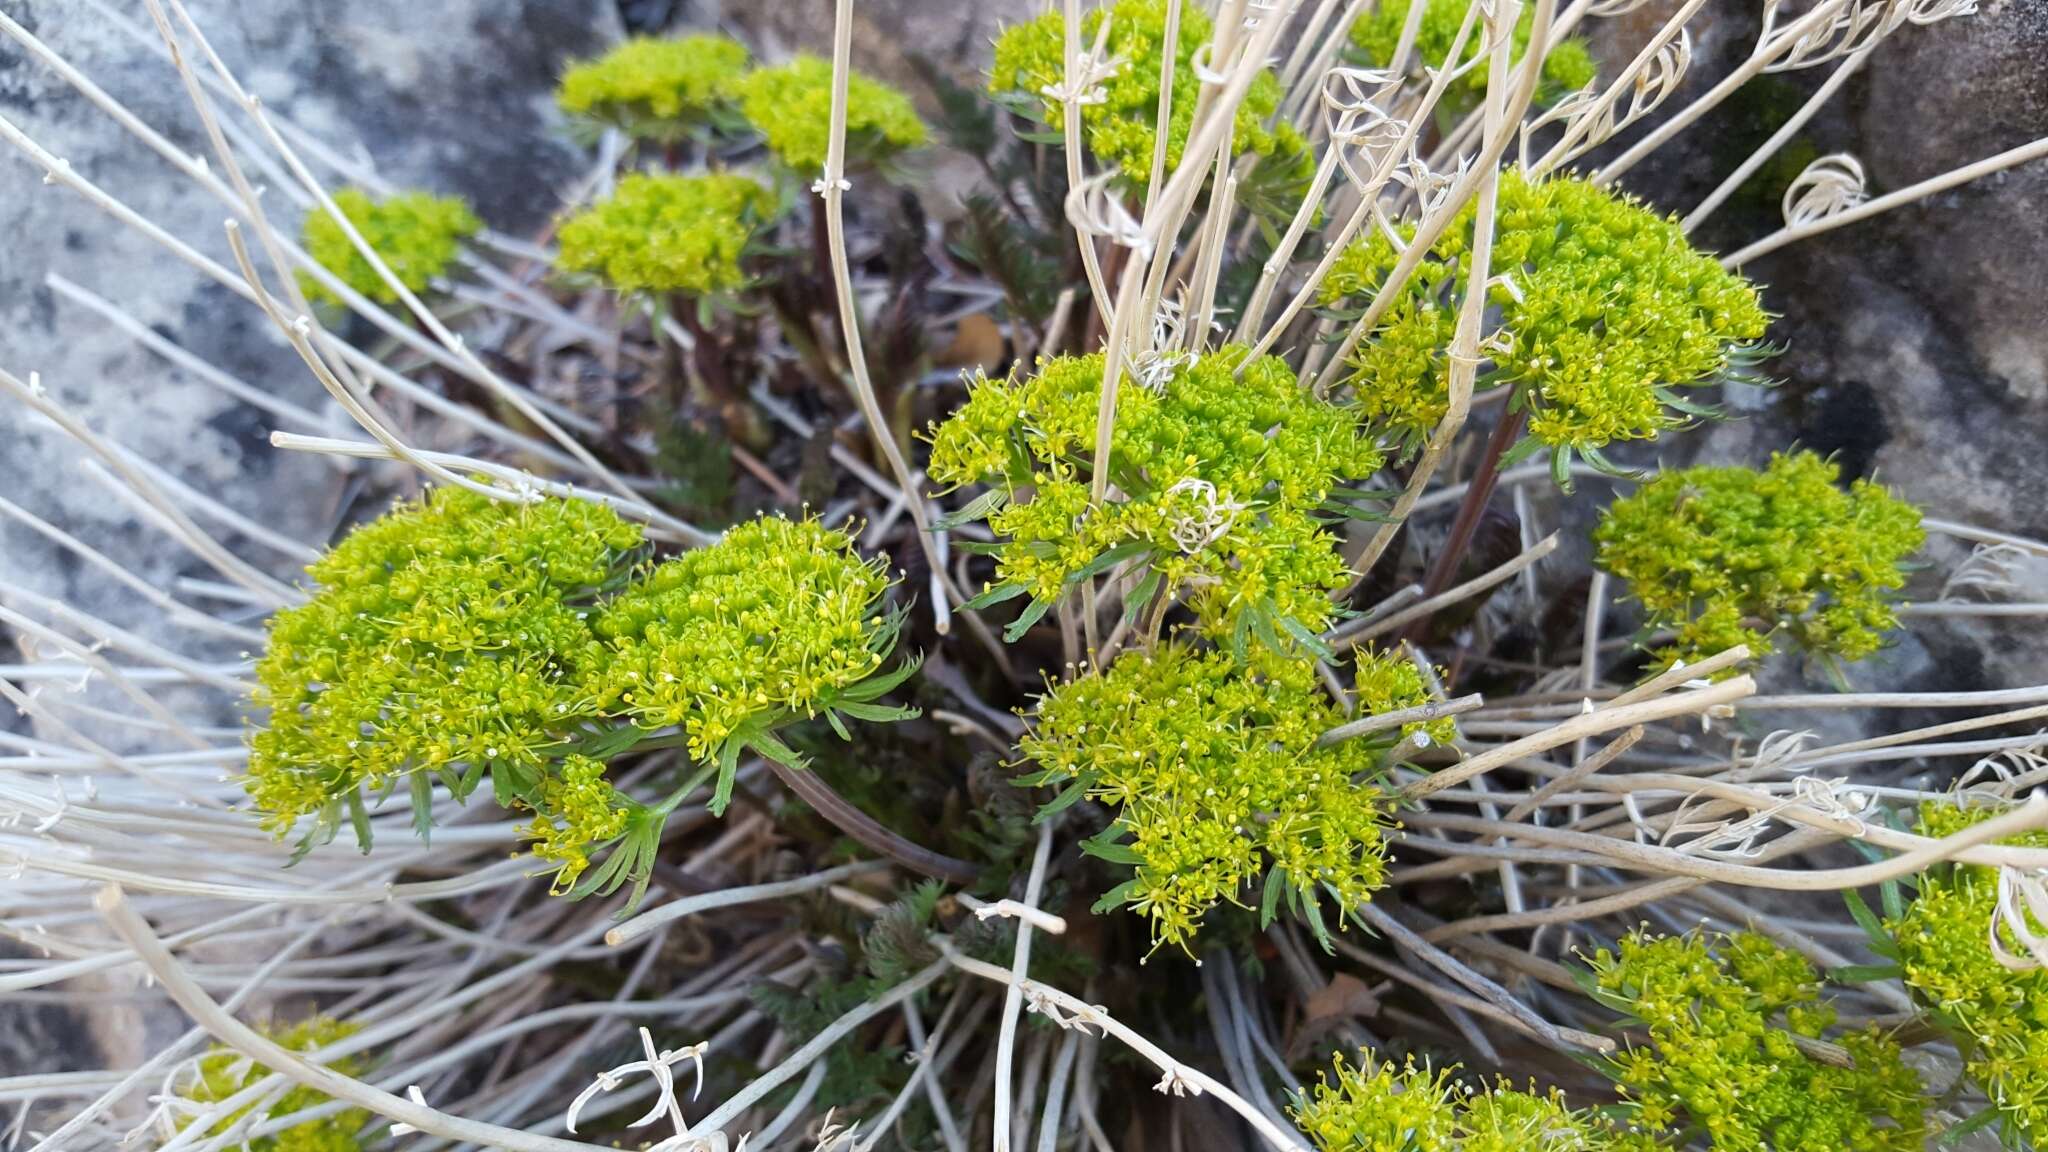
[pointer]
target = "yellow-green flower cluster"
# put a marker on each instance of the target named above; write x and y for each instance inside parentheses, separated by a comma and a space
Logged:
(791, 107)
(1122, 128)
(1388, 682)
(1567, 67)
(1219, 478)
(1727, 556)
(1723, 1015)
(459, 636)
(224, 1072)
(775, 621)
(668, 234)
(1603, 309)
(579, 810)
(1217, 780)
(1378, 1107)
(416, 235)
(656, 88)
(450, 633)
(1943, 941)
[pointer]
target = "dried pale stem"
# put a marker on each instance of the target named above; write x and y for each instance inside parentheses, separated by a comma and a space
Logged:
(833, 187)
(2012, 157)
(1013, 998)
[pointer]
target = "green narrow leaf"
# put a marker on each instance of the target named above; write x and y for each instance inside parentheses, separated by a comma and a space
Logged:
(1978, 1119)
(1313, 913)
(1115, 851)
(1141, 596)
(884, 682)
(1867, 920)
(1118, 896)
(996, 594)
(769, 745)
(422, 805)
(1108, 560)
(1561, 467)
(1067, 798)
(978, 508)
(1864, 973)
(1031, 615)
(1269, 900)
(728, 771)
(878, 713)
(1894, 901)
(472, 775)
(1308, 639)
(359, 819)
(838, 725)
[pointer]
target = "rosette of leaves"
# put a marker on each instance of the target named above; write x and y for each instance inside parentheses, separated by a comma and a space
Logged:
(1121, 129)
(1604, 311)
(1732, 555)
(416, 234)
(1725, 1017)
(1567, 66)
(460, 636)
(668, 235)
(657, 89)
(1374, 1106)
(791, 107)
(224, 1073)
(1221, 790)
(1995, 1010)
(1222, 482)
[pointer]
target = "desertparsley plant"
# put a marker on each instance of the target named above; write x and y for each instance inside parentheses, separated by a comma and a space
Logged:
(416, 234)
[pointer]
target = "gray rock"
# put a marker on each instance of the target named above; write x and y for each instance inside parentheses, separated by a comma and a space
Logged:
(451, 96)
(1918, 340)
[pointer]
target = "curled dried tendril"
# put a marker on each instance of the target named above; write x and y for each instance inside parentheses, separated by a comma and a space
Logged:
(1589, 117)
(1827, 187)
(1851, 26)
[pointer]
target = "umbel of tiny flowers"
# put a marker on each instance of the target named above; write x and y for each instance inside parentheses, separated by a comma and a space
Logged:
(1724, 1015)
(460, 636)
(1567, 65)
(1992, 1000)
(1220, 787)
(790, 105)
(1374, 1106)
(1723, 556)
(1120, 103)
(1223, 486)
(415, 233)
(223, 1073)
(668, 235)
(1604, 310)
(665, 90)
